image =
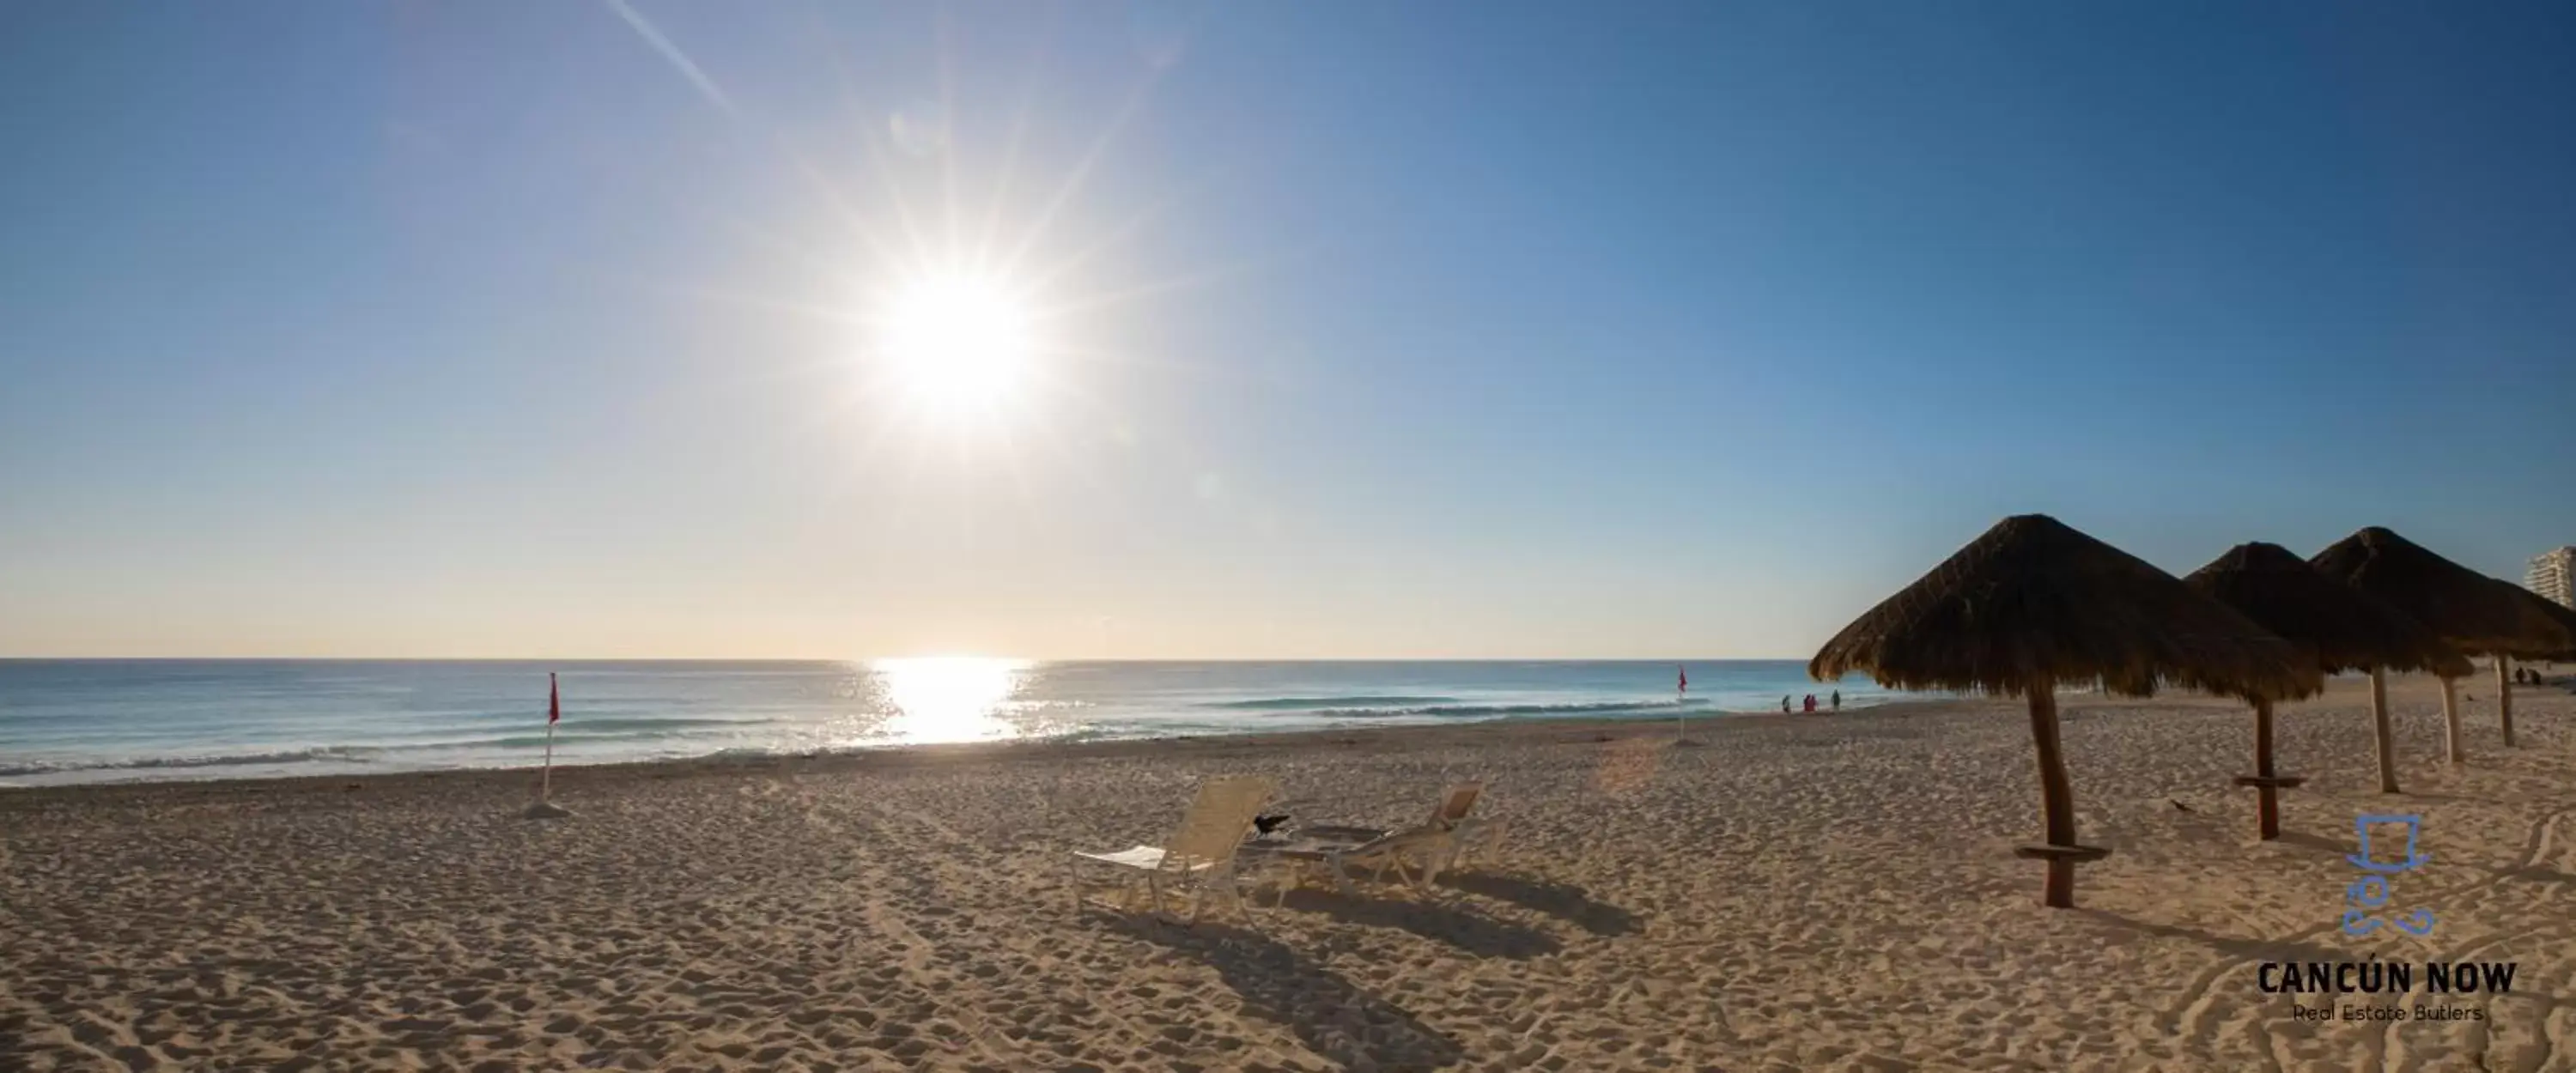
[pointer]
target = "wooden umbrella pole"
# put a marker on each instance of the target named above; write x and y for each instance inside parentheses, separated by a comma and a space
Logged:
(2384, 734)
(2056, 795)
(2451, 722)
(2267, 798)
(2504, 697)
(2263, 739)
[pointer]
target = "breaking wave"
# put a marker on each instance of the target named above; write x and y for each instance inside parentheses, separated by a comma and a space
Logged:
(1497, 711)
(1290, 704)
(337, 754)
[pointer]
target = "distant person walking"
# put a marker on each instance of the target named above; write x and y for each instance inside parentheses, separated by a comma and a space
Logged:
(1838, 700)
(1811, 704)
(1784, 704)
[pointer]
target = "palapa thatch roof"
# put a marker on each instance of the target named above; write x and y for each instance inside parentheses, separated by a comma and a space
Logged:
(2345, 628)
(2563, 620)
(2033, 598)
(2474, 612)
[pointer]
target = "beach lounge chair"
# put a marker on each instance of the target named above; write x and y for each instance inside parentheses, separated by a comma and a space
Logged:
(1417, 855)
(1454, 816)
(1465, 830)
(1198, 858)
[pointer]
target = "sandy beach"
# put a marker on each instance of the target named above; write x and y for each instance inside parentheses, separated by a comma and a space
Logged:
(1829, 892)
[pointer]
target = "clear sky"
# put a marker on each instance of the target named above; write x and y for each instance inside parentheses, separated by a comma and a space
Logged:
(1348, 329)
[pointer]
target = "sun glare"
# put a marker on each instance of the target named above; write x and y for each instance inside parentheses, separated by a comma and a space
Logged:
(957, 342)
(948, 698)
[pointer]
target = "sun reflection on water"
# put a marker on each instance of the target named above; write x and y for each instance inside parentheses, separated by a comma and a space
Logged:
(948, 698)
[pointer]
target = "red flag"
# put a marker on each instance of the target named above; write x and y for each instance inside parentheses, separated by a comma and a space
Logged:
(1684, 687)
(554, 701)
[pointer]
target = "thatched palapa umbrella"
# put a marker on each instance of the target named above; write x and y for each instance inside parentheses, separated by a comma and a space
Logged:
(2032, 604)
(2471, 611)
(2552, 631)
(2563, 616)
(2338, 626)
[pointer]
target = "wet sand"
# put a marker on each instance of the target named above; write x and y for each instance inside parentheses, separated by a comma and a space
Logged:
(1826, 892)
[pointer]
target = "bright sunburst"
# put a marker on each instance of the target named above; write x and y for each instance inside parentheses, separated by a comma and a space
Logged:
(948, 698)
(954, 342)
(974, 290)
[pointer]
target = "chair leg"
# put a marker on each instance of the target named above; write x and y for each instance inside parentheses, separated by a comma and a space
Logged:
(1234, 888)
(1200, 891)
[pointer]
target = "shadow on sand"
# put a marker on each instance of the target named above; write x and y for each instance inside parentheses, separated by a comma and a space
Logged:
(2537, 874)
(2531, 873)
(1334, 1018)
(1472, 932)
(2396, 800)
(2232, 946)
(2304, 840)
(1565, 901)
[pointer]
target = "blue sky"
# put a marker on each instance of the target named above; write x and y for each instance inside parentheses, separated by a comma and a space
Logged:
(487, 329)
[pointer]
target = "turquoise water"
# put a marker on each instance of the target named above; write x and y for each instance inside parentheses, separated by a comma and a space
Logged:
(111, 720)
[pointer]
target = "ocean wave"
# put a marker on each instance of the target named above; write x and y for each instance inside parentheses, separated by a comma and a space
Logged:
(1295, 703)
(645, 731)
(1496, 711)
(1082, 733)
(615, 724)
(324, 754)
(537, 739)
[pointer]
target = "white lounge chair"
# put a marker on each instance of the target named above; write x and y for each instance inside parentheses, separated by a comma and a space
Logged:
(1466, 831)
(1417, 855)
(1199, 857)
(1454, 817)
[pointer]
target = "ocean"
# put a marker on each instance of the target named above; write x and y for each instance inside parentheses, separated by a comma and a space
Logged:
(66, 721)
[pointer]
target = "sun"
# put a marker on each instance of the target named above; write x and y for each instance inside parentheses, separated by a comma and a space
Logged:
(955, 342)
(949, 698)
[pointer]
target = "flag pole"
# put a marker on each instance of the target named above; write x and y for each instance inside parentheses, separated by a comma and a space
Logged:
(1681, 696)
(554, 711)
(545, 808)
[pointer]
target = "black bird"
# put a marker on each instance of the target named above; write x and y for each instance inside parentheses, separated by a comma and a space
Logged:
(2178, 806)
(1267, 824)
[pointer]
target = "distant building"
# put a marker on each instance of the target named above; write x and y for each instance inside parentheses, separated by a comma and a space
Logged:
(2553, 574)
